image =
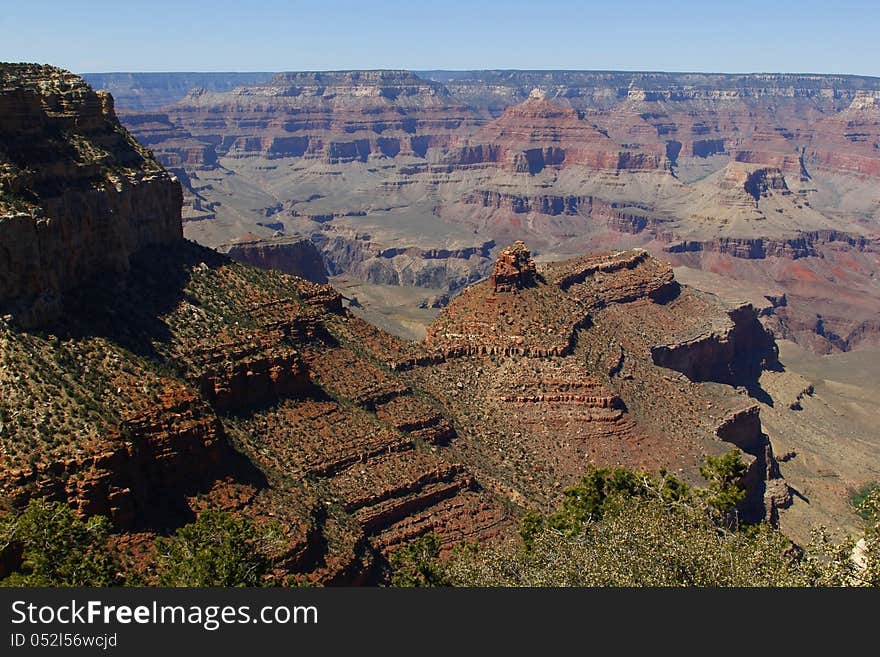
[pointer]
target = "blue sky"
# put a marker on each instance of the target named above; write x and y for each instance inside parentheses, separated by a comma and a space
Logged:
(224, 35)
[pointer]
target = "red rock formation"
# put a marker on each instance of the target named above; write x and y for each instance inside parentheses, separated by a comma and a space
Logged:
(566, 371)
(633, 275)
(334, 116)
(849, 141)
(538, 134)
(76, 206)
(236, 376)
(147, 469)
(514, 269)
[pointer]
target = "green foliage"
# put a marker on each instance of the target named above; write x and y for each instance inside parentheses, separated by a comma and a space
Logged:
(587, 501)
(58, 548)
(531, 525)
(851, 562)
(417, 564)
(859, 496)
(641, 541)
(869, 509)
(724, 474)
(622, 528)
(218, 549)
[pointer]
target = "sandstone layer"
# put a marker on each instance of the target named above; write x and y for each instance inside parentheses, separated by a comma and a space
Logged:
(78, 195)
(172, 379)
(766, 178)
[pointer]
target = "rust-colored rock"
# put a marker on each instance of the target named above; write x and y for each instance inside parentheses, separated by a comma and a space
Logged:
(514, 269)
(195, 382)
(77, 206)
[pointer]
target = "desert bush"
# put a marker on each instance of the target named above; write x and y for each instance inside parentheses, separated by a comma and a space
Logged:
(57, 548)
(622, 528)
(218, 549)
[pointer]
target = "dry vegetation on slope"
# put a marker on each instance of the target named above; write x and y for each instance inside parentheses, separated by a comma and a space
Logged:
(170, 382)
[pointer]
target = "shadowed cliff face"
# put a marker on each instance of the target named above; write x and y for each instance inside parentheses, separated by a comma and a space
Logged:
(297, 256)
(733, 352)
(188, 381)
(78, 195)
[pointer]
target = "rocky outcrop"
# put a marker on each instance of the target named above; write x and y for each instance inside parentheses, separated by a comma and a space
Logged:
(759, 182)
(803, 245)
(534, 313)
(293, 255)
(734, 351)
(514, 269)
(238, 377)
(358, 254)
(75, 204)
(560, 370)
(616, 278)
(521, 203)
(467, 156)
(743, 429)
(766, 490)
(158, 458)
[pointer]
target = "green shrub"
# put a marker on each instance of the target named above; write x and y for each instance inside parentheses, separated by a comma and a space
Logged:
(218, 549)
(417, 564)
(622, 528)
(640, 541)
(859, 496)
(58, 548)
(724, 474)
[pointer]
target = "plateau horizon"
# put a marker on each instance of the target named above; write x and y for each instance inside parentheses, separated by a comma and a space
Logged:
(556, 34)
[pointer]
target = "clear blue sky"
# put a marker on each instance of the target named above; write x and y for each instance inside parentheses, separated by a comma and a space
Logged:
(835, 36)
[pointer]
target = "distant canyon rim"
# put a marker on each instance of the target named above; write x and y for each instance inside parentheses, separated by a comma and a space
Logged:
(637, 269)
(761, 187)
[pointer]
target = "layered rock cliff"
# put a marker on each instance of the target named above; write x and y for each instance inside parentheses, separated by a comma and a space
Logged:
(557, 365)
(292, 255)
(333, 116)
(186, 381)
(78, 196)
(538, 134)
(710, 169)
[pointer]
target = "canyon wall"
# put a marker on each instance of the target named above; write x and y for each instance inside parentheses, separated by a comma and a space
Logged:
(711, 169)
(149, 91)
(292, 255)
(79, 195)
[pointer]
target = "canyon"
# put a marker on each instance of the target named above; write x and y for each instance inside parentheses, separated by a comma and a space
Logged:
(415, 180)
(149, 378)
